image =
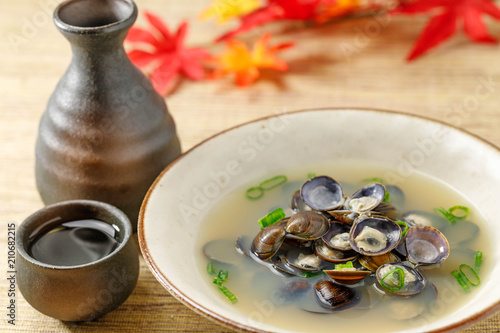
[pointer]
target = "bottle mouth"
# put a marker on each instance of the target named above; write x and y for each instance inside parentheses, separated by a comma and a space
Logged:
(94, 15)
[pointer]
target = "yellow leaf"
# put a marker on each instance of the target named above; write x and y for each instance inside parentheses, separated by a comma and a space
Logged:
(225, 10)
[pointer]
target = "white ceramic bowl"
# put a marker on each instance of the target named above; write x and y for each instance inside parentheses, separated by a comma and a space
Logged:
(167, 233)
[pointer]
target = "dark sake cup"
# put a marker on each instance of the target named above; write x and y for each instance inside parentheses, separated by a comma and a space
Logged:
(81, 292)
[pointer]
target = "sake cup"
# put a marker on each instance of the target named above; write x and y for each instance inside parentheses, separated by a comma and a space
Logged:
(80, 292)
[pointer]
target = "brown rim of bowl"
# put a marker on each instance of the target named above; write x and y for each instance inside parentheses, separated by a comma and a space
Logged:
(193, 305)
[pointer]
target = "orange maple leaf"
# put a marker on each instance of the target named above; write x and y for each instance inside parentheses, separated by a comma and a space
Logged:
(245, 64)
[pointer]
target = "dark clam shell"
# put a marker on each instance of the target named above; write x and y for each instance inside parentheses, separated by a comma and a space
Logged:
(396, 197)
(344, 216)
(281, 264)
(409, 288)
(407, 308)
(329, 254)
(336, 228)
(461, 232)
(426, 246)
(307, 226)
(374, 262)
(298, 204)
(322, 193)
(420, 219)
(347, 277)
(373, 190)
(333, 295)
(389, 228)
(222, 250)
(268, 241)
(293, 256)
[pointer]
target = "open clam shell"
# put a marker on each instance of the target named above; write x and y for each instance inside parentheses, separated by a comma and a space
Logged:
(305, 259)
(406, 308)
(420, 219)
(426, 246)
(298, 203)
(461, 232)
(367, 198)
(372, 263)
(337, 237)
(281, 266)
(344, 216)
(329, 254)
(414, 281)
(322, 193)
(396, 197)
(374, 235)
(223, 251)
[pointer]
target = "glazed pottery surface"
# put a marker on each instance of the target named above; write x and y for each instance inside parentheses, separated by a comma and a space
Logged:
(171, 221)
(106, 134)
(81, 292)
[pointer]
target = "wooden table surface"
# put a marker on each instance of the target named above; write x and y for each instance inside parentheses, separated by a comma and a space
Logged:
(459, 83)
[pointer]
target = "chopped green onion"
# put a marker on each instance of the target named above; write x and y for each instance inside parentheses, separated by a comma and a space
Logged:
(228, 294)
(463, 212)
(254, 193)
(374, 179)
(449, 216)
(221, 277)
(307, 274)
(401, 275)
(311, 175)
(405, 225)
(271, 183)
(460, 279)
(479, 259)
(210, 268)
(387, 196)
(473, 273)
(223, 274)
(272, 218)
(346, 265)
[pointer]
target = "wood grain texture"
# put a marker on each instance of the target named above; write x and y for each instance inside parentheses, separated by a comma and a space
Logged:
(459, 83)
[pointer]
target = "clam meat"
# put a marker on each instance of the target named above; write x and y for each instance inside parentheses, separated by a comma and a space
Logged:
(371, 240)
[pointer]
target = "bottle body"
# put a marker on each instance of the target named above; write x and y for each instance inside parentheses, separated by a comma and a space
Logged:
(106, 134)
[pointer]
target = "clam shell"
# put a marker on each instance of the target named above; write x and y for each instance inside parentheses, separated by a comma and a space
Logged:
(223, 250)
(372, 263)
(336, 228)
(347, 277)
(329, 254)
(426, 246)
(298, 204)
(268, 241)
(409, 289)
(420, 219)
(322, 193)
(292, 256)
(333, 295)
(373, 190)
(388, 227)
(307, 226)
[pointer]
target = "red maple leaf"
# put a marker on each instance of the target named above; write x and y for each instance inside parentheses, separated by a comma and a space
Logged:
(276, 10)
(450, 15)
(167, 57)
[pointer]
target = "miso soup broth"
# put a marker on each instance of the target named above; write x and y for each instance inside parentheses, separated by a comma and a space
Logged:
(264, 296)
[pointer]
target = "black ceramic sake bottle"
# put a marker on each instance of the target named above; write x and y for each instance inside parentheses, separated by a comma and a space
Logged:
(106, 134)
